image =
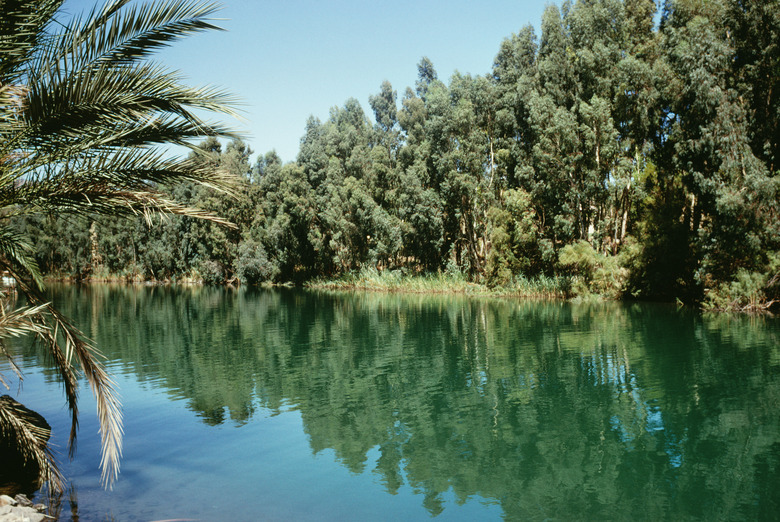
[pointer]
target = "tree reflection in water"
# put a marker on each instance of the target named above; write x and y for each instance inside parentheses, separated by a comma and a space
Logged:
(549, 409)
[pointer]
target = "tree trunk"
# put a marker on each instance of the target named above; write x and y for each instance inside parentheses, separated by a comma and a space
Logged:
(96, 261)
(626, 208)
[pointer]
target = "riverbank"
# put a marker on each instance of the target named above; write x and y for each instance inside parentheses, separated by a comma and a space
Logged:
(21, 509)
(541, 287)
(567, 287)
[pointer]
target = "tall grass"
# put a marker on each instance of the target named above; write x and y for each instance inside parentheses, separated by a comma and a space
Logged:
(541, 286)
(449, 282)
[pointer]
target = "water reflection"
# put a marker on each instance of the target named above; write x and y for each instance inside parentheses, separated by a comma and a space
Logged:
(552, 410)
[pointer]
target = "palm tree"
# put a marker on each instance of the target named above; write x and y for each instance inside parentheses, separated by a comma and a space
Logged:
(83, 115)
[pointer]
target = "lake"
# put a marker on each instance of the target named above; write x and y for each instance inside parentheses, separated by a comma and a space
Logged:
(299, 405)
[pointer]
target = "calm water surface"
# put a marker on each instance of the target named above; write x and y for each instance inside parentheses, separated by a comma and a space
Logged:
(279, 405)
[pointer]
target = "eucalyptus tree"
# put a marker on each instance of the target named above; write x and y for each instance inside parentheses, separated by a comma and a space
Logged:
(382, 173)
(426, 75)
(600, 42)
(725, 159)
(386, 116)
(754, 32)
(472, 178)
(215, 247)
(420, 205)
(287, 224)
(312, 156)
(265, 165)
(342, 198)
(554, 180)
(637, 113)
(83, 110)
(514, 76)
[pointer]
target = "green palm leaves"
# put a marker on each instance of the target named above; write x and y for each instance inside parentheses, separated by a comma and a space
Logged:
(82, 114)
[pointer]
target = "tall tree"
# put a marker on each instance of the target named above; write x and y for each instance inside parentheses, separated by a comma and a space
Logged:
(753, 29)
(426, 75)
(733, 193)
(514, 74)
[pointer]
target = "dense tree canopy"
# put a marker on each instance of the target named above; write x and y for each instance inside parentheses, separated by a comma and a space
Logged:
(638, 143)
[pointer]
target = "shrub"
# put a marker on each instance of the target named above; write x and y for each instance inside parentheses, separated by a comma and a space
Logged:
(252, 265)
(749, 291)
(595, 272)
(579, 258)
(211, 272)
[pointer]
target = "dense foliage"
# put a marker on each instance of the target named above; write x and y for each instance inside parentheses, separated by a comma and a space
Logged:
(636, 151)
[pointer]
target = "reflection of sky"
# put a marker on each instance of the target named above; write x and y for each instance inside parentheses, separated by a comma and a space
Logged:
(608, 370)
(176, 467)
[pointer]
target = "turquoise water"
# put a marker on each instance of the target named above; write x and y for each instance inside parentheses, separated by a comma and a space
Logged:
(295, 405)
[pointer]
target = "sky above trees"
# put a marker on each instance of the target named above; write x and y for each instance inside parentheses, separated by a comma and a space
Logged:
(290, 60)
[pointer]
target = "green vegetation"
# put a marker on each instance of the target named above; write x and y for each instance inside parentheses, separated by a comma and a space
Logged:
(626, 157)
(82, 109)
(445, 283)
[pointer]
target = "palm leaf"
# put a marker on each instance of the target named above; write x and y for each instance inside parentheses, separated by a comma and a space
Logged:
(117, 35)
(82, 112)
(15, 250)
(15, 323)
(17, 426)
(22, 28)
(64, 342)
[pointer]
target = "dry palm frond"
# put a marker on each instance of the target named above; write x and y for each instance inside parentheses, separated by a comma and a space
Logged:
(16, 323)
(64, 342)
(31, 440)
(19, 322)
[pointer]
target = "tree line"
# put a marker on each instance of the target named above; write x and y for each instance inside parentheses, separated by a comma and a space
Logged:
(632, 149)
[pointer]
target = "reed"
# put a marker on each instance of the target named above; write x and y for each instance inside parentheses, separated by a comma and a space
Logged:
(371, 279)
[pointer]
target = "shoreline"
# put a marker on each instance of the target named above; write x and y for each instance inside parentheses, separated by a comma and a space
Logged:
(21, 509)
(564, 288)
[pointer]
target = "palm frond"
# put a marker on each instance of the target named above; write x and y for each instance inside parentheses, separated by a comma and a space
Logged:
(19, 427)
(100, 108)
(17, 322)
(20, 322)
(15, 250)
(117, 35)
(82, 113)
(93, 111)
(98, 188)
(65, 342)
(22, 27)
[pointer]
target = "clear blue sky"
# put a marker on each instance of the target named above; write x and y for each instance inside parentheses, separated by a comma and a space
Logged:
(289, 59)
